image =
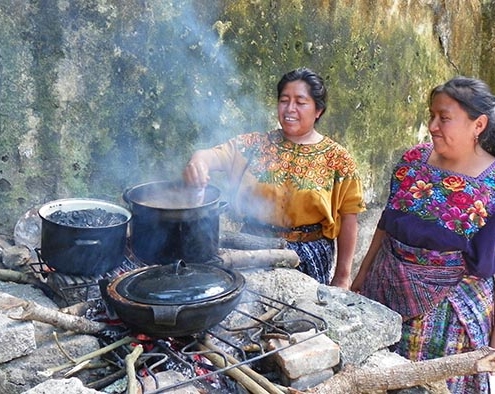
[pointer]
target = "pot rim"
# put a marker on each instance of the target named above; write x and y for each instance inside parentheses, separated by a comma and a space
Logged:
(73, 204)
(129, 199)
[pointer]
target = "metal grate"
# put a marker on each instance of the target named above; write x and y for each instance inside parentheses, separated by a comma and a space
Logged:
(74, 288)
(242, 329)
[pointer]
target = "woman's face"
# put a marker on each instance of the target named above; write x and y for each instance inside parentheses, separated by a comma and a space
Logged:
(296, 109)
(452, 132)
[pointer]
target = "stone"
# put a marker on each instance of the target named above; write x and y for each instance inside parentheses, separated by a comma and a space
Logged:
(28, 371)
(61, 386)
(309, 354)
(352, 320)
(168, 378)
(16, 338)
(307, 381)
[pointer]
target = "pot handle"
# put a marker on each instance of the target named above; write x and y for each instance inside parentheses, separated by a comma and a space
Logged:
(165, 315)
(125, 195)
(87, 242)
(222, 207)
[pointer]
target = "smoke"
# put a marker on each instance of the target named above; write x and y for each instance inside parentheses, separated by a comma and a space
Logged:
(190, 91)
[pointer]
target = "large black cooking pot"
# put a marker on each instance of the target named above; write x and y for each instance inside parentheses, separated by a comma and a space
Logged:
(85, 251)
(172, 221)
(175, 300)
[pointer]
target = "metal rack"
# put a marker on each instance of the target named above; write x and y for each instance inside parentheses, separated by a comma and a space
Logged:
(252, 331)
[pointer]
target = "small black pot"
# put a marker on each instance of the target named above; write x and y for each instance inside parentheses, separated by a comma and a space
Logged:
(84, 251)
(175, 300)
(170, 222)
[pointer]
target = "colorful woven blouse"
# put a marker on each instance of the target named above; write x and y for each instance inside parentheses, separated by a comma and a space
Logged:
(435, 209)
(278, 182)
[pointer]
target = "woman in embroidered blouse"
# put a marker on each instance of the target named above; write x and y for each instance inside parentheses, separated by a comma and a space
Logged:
(432, 258)
(293, 182)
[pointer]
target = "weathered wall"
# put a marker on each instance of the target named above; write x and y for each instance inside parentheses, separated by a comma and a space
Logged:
(96, 96)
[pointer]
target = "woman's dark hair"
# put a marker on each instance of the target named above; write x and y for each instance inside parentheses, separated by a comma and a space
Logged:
(475, 97)
(317, 88)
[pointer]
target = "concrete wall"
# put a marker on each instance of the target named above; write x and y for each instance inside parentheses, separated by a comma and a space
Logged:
(99, 96)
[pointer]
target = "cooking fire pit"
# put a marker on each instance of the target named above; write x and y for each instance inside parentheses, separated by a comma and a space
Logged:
(240, 338)
(237, 341)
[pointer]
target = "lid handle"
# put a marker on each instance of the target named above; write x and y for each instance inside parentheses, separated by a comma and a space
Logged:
(179, 267)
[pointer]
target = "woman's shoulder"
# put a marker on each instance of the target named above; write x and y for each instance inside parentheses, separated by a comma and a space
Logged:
(417, 153)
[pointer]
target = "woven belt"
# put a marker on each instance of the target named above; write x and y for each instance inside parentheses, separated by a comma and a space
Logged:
(308, 233)
(301, 236)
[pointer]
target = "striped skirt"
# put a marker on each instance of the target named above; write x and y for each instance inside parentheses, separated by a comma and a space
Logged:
(316, 258)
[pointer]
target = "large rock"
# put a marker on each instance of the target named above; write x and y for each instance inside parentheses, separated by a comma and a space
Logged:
(16, 338)
(360, 326)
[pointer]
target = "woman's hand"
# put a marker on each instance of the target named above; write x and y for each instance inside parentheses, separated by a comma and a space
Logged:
(492, 339)
(358, 282)
(196, 173)
(376, 242)
(343, 282)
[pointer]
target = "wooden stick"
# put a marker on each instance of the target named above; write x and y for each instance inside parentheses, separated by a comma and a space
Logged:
(244, 241)
(34, 311)
(260, 379)
(235, 373)
(124, 341)
(130, 360)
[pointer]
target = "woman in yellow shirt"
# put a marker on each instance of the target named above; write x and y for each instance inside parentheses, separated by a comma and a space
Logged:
(293, 182)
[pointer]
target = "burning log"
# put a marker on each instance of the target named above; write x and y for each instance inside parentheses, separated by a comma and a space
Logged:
(263, 258)
(361, 380)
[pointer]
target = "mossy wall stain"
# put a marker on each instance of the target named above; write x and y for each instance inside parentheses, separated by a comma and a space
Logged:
(99, 96)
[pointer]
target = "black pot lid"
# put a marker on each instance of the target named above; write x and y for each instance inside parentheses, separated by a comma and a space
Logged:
(177, 284)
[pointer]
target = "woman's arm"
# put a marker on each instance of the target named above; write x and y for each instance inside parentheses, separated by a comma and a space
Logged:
(492, 336)
(346, 245)
(375, 244)
(197, 171)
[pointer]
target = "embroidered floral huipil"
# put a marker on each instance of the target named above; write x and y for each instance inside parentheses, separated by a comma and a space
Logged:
(440, 210)
(278, 182)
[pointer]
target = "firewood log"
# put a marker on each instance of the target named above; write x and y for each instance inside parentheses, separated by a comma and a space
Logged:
(244, 241)
(263, 258)
(30, 310)
(365, 380)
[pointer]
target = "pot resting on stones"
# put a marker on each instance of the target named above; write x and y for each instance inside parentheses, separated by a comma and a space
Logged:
(83, 236)
(172, 221)
(175, 300)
